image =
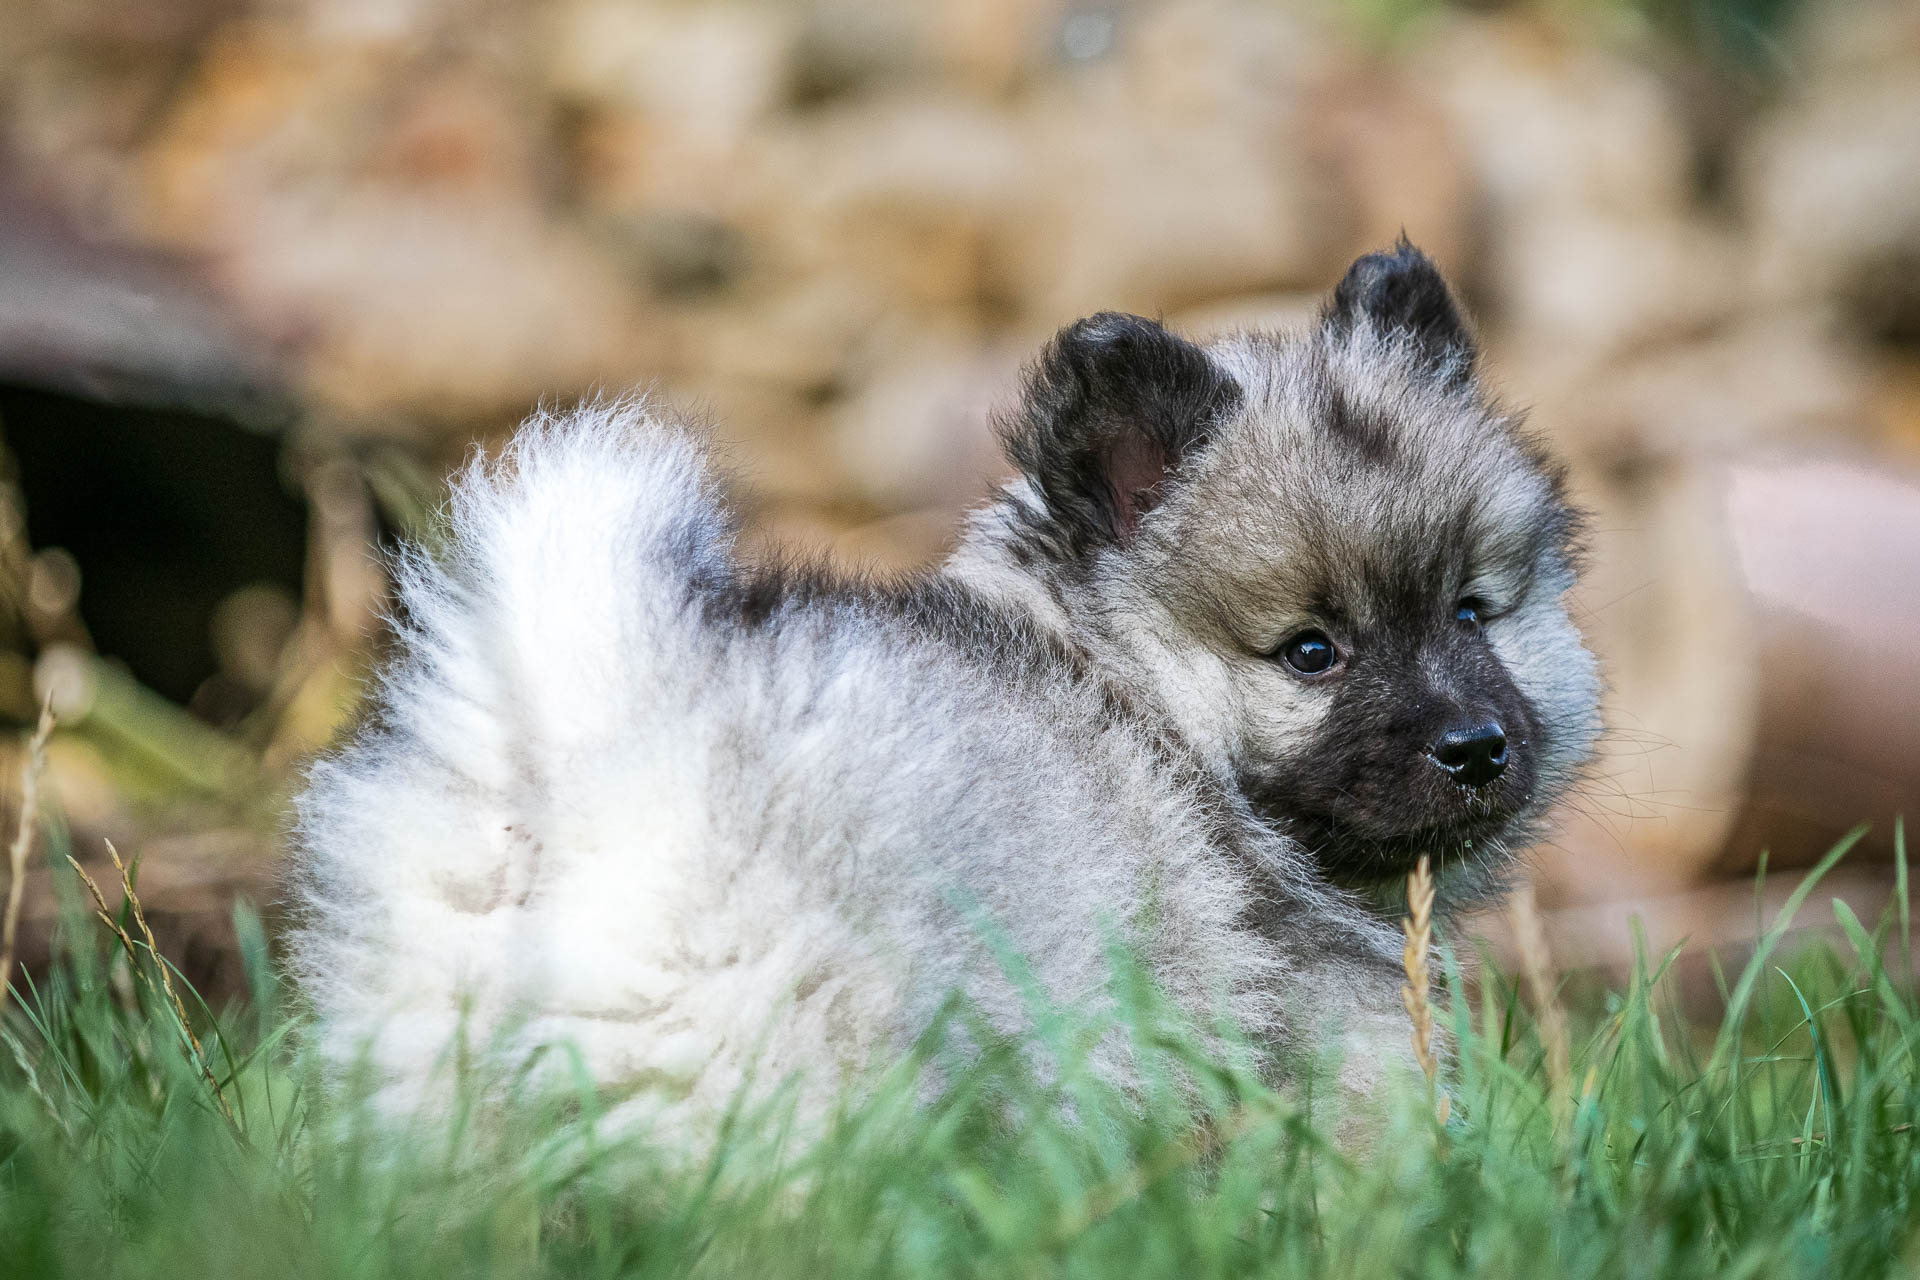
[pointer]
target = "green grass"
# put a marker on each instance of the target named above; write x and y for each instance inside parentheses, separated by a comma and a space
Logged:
(1776, 1143)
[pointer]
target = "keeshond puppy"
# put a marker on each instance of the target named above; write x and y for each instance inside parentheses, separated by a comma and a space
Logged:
(1257, 625)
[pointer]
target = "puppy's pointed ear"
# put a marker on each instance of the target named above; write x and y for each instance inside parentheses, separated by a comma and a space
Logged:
(1112, 407)
(1401, 294)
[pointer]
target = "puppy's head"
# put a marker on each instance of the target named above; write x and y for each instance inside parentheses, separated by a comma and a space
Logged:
(1330, 558)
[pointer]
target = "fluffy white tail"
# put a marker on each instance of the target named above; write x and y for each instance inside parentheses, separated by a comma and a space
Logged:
(489, 840)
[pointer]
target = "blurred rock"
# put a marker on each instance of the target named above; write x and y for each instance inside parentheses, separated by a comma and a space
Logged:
(1194, 60)
(1776, 379)
(682, 255)
(1664, 606)
(920, 433)
(447, 311)
(262, 117)
(1148, 216)
(1148, 220)
(396, 24)
(769, 437)
(395, 250)
(1574, 291)
(1833, 183)
(908, 194)
(995, 44)
(847, 46)
(86, 317)
(802, 337)
(1176, 171)
(711, 69)
(1589, 202)
(1550, 123)
(1832, 542)
(686, 82)
(1831, 551)
(81, 82)
(1398, 164)
(454, 132)
(986, 46)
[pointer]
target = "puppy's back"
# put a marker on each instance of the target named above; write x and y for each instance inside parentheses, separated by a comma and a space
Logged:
(611, 798)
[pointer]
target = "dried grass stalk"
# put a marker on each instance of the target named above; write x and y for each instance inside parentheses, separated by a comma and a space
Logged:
(1537, 969)
(131, 900)
(1417, 994)
(106, 916)
(22, 842)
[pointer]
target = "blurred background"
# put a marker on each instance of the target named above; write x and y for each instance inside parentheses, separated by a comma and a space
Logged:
(268, 266)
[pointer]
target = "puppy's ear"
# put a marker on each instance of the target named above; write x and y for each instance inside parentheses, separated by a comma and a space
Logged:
(1112, 407)
(1401, 294)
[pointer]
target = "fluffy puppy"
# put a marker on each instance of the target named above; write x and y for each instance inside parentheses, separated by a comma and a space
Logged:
(1257, 625)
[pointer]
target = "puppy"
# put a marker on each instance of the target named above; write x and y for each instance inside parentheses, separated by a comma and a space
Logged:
(1258, 624)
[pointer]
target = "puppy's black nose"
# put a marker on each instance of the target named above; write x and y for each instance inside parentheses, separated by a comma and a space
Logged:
(1474, 755)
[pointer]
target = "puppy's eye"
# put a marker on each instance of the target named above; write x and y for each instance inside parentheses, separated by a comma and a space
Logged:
(1468, 612)
(1309, 653)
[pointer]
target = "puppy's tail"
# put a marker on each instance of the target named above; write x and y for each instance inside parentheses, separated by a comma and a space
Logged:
(571, 565)
(500, 760)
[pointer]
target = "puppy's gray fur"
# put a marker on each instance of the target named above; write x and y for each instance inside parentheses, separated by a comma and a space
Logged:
(699, 819)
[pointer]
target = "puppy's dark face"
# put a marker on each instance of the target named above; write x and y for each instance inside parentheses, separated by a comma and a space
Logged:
(1333, 562)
